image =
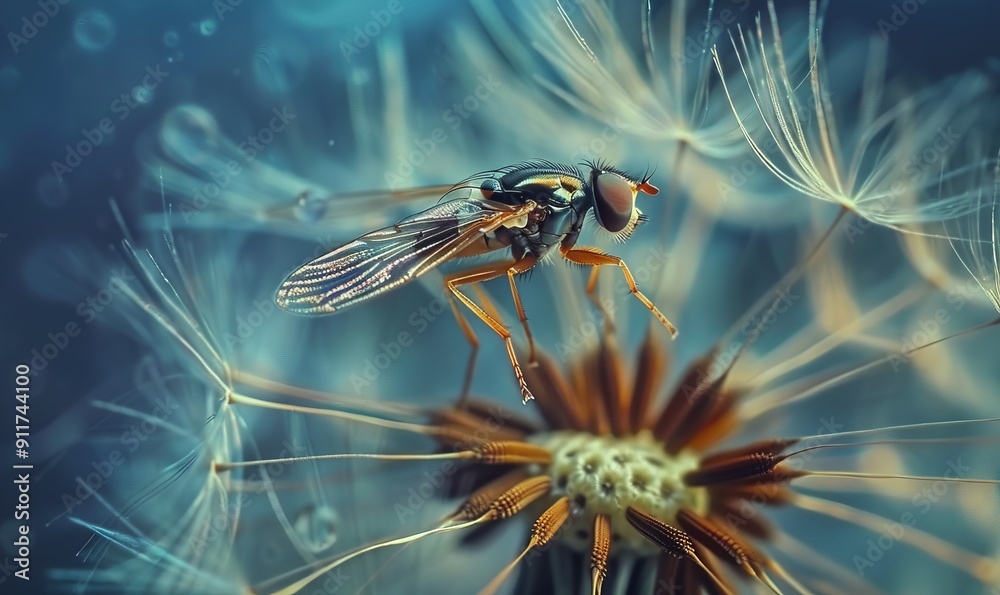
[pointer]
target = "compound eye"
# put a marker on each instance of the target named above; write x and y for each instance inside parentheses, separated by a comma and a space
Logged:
(614, 201)
(489, 187)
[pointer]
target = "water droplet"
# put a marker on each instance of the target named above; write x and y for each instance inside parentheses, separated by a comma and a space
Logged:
(316, 526)
(280, 65)
(207, 27)
(264, 53)
(171, 38)
(330, 143)
(9, 76)
(190, 133)
(94, 30)
(142, 95)
(51, 192)
(310, 207)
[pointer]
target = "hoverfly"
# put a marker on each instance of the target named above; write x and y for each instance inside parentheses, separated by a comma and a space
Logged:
(529, 208)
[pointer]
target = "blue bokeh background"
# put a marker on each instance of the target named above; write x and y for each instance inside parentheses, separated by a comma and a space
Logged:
(73, 71)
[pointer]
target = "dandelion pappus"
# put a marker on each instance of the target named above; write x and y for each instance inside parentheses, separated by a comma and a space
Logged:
(529, 208)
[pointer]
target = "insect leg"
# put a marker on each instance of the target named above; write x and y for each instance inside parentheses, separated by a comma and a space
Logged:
(593, 257)
(470, 336)
(519, 267)
(478, 275)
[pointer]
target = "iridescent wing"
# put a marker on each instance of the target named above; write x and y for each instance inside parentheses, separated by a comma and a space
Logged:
(384, 259)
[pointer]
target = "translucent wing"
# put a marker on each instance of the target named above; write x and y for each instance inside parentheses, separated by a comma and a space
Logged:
(384, 259)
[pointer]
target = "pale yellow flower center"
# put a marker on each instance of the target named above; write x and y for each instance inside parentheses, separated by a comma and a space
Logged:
(608, 474)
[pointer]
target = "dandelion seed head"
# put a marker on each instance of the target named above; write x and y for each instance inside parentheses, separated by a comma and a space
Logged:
(866, 167)
(604, 475)
(765, 448)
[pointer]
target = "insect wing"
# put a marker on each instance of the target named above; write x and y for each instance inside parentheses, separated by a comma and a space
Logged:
(387, 258)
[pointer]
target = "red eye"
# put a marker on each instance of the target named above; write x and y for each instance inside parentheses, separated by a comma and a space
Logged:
(614, 200)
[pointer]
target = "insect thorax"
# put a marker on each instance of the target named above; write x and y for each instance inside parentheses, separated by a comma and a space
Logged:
(561, 201)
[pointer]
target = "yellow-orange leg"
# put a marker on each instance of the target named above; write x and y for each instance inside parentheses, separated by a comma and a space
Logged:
(595, 258)
(519, 267)
(470, 336)
(479, 275)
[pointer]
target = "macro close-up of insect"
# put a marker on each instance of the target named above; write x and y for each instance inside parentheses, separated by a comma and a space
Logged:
(530, 208)
(258, 252)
